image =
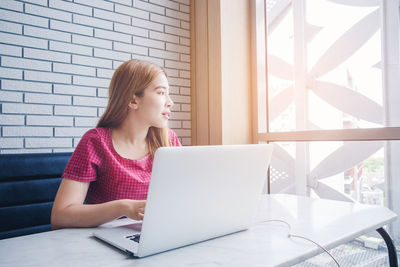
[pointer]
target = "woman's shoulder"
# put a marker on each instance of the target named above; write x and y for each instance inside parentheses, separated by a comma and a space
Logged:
(96, 134)
(173, 137)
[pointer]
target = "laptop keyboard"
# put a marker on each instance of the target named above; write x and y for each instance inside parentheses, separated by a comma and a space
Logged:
(135, 237)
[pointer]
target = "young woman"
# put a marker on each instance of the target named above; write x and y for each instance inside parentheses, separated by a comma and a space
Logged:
(109, 172)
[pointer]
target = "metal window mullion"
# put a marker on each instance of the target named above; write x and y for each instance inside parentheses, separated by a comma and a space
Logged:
(300, 95)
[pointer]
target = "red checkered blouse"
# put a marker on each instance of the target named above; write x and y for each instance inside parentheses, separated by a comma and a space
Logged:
(110, 175)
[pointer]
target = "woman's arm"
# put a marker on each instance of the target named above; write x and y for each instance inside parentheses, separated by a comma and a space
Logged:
(69, 210)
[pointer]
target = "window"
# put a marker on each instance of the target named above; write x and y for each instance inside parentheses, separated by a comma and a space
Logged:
(331, 105)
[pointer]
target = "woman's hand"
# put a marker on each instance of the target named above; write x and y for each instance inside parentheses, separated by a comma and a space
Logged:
(133, 209)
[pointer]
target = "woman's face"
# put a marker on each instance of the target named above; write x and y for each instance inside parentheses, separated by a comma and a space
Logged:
(154, 107)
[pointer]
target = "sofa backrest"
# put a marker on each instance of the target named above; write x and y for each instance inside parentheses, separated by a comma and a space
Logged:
(28, 185)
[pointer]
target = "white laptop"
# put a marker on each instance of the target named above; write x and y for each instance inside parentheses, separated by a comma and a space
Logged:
(196, 193)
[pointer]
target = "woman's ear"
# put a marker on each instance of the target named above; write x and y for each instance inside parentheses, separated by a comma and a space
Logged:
(133, 104)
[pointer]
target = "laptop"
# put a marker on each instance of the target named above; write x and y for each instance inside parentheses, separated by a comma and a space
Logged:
(196, 193)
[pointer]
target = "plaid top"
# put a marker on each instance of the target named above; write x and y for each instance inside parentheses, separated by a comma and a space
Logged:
(112, 176)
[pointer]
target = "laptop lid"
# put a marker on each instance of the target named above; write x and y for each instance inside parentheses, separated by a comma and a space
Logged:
(201, 192)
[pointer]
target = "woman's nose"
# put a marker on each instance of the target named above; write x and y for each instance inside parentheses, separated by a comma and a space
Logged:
(169, 103)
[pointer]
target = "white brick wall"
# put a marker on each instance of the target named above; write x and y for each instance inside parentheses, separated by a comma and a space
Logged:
(57, 58)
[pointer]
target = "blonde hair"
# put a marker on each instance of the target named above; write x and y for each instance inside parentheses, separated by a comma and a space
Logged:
(131, 78)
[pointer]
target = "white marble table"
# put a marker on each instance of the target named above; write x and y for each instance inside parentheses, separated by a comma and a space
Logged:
(330, 223)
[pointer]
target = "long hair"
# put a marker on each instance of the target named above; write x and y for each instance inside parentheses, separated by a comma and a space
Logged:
(131, 78)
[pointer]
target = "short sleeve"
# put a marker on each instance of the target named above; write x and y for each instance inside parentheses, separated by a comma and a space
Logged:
(174, 139)
(84, 163)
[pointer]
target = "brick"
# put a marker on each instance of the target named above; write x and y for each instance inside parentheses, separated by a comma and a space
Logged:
(11, 142)
(30, 75)
(185, 58)
(179, 82)
(49, 120)
(71, 7)
(25, 63)
(178, 48)
(186, 125)
(13, 5)
(174, 124)
(72, 132)
(185, 25)
(74, 69)
(26, 108)
(26, 86)
(165, 20)
(89, 101)
(134, 49)
(23, 40)
(105, 73)
(177, 14)
(177, 31)
(25, 151)
(70, 27)
(116, 64)
(185, 2)
(183, 132)
(157, 61)
(23, 18)
(184, 91)
(164, 37)
(177, 65)
(186, 141)
(163, 54)
(173, 89)
(76, 141)
(10, 73)
(90, 81)
(176, 107)
(112, 16)
(103, 53)
(147, 24)
(62, 150)
(48, 142)
(184, 74)
(70, 48)
(147, 42)
(47, 34)
(90, 61)
(10, 50)
(100, 111)
(180, 99)
(149, 7)
(48, 12)
(86, 122)
(97, 4)
(132, 12)
(12, 119)
(123, 2)
(186, 107)
(166, 3)
(10, 27)
(47, 99)
(118, 27)
(27, 131)
(101, 92)
(10, 96)
(115, 36)
(38, 2)
(91, 41)
(74, 90)
(184, 41)
(172, 72)
(98, 23)
(184, 8)
(180, 116)
(47, 55)
(75, 111)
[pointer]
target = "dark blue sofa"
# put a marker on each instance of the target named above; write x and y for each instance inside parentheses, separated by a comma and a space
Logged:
(28, 185)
